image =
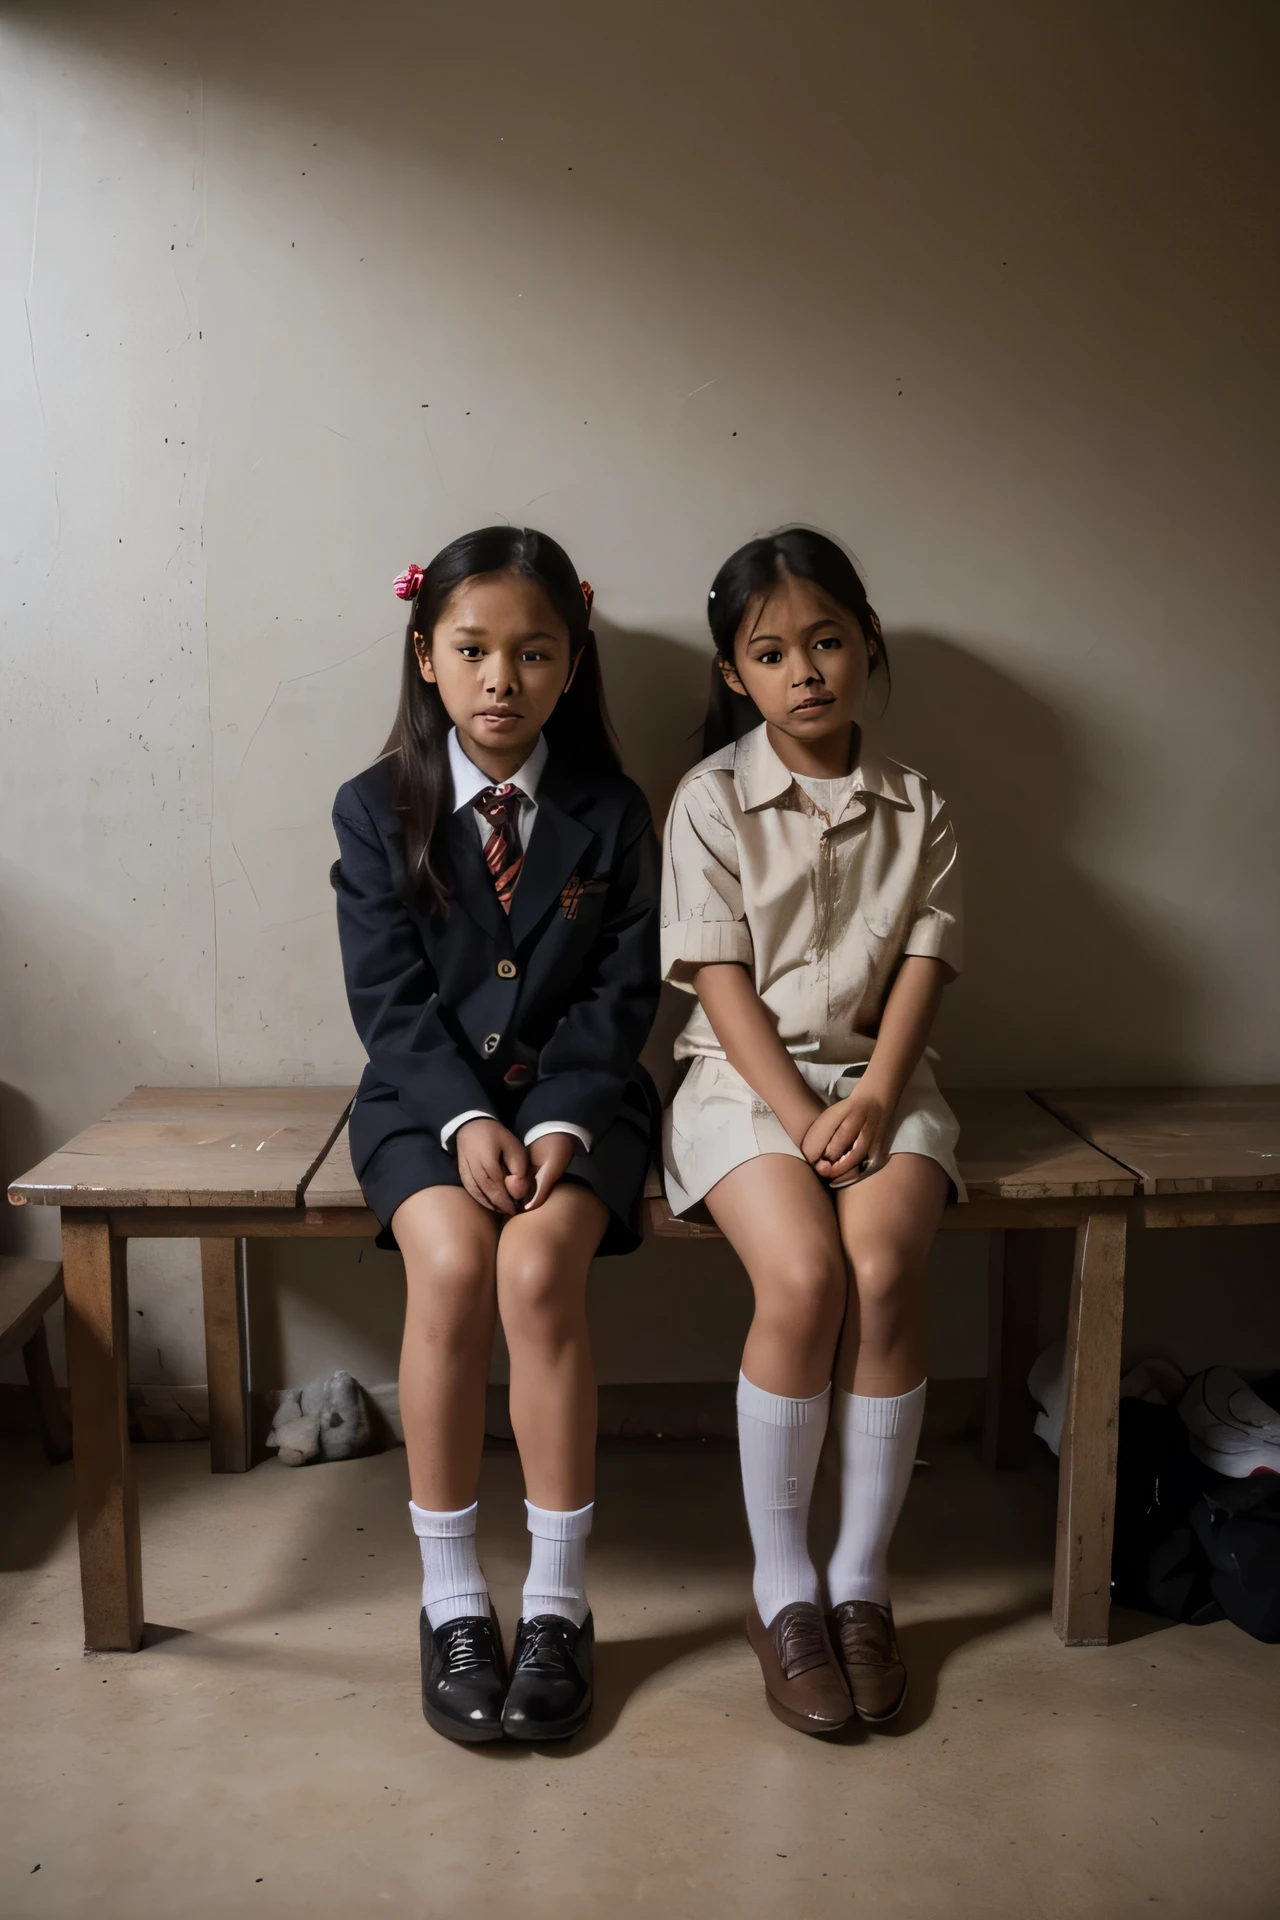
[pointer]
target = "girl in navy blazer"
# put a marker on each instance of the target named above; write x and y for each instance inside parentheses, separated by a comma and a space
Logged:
(498, 916)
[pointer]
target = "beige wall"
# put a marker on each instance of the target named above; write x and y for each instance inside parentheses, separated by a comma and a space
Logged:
(289, 295)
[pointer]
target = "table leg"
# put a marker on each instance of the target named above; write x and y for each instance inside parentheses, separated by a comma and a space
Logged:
(97, 1318)
(1087, 1464)
(222, 1274)
(1013, 1328)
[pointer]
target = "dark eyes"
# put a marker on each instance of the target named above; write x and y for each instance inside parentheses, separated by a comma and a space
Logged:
(773, 655)
(529, 655)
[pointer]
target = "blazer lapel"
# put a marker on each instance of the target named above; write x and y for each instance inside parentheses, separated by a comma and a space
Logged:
(474, 890)
(555, 850)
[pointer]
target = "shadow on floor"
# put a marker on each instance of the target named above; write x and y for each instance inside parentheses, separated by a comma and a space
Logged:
(622, 1668)
(927, 1645)
(39, 1506)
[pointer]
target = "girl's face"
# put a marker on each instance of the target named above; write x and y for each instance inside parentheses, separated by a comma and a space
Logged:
(500, 656)
(803, 659)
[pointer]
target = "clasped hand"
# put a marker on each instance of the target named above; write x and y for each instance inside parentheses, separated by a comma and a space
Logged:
(502, 1173)
(848, 1136)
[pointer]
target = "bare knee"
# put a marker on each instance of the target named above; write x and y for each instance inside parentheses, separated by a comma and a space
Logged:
(802, 1300)
(450, 1290)
(890, 1294)
(542, 1298)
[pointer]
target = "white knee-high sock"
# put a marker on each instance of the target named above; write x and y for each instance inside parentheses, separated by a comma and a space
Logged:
(779, 1441)
(452, 1583)
(557, 1563)
(878, 1440)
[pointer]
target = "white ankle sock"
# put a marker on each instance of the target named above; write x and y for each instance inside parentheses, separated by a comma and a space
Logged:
(558, 1563)
(452, 1583)
(779, 1441)
(878, 1440)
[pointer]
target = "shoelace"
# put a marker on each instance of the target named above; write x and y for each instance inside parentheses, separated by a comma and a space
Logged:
(464, 1648)
(802, 1644)
(543, 1648)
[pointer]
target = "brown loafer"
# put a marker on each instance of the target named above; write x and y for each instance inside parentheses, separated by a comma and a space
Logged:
(863, 1636)
(802, 1682)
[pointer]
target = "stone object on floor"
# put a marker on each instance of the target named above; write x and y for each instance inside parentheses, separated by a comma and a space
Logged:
(328, 1419)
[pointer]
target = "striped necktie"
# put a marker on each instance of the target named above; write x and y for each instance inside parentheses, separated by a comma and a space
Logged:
(503, 854)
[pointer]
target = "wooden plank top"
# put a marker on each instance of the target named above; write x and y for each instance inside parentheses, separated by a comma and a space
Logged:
(1180, 1139)
(333, 1184)
(193, 1147)
(1011, 1149)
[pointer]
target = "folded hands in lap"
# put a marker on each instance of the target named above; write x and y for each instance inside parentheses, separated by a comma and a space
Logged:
(504, 1175)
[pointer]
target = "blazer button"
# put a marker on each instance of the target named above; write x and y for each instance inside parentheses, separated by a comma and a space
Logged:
(492, 1041)
(506, 969)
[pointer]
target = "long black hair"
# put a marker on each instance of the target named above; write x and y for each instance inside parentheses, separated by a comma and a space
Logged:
(751, 574)
(418, 741)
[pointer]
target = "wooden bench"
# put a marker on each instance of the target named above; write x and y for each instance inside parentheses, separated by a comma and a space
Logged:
(28, 1288)
(228, 1165)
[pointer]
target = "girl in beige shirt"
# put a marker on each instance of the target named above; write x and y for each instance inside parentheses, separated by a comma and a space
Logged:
(811, 904)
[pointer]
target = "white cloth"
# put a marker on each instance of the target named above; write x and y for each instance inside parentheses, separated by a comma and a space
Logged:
(453, 1587)
(468, 782)
(779, 1441)
(878, 1441)
(557, 1563)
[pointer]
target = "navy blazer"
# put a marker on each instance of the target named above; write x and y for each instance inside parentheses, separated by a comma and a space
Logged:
(534, 1016)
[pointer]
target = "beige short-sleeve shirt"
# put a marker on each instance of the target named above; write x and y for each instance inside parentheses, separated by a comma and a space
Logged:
(821, 912)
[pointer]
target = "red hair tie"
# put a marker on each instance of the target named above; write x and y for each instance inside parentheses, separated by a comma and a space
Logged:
(588, 594)
(408, 582)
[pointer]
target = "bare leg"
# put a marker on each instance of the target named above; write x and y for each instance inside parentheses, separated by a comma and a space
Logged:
(449, 1243)
(888, 1223)
(777, 1216)
(542, 1265)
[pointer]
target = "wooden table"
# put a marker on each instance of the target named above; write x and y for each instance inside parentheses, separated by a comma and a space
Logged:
(228, 1165)
(217, 1165)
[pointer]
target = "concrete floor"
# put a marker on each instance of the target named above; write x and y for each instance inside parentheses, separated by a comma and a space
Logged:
(266, 1753)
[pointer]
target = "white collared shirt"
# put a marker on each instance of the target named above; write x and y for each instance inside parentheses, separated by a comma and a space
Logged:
(468, 782)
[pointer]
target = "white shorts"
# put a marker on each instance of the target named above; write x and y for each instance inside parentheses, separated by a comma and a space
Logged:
(715, 1123)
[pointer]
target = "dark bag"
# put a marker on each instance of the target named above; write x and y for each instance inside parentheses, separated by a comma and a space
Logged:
(1236, 1524)
(1157, 1563)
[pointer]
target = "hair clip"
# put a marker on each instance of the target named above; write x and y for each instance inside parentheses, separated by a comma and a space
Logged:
(407, 583)
(588, 594)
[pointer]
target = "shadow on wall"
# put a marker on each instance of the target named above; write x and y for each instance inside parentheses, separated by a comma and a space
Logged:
(1062, 978)
(19, 1129)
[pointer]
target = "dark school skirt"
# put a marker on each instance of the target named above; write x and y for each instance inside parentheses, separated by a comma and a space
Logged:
(615, 1170)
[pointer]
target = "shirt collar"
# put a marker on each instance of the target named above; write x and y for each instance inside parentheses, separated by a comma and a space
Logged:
(762, 780)
(468, 780)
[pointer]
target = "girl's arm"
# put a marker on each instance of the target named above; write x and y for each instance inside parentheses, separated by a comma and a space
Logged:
(859, 1128)
(749, 1036)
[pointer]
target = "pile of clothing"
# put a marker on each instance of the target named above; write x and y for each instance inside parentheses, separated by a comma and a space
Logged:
(1197, 1532)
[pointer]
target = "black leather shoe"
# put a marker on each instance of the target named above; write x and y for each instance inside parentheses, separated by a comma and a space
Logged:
(552, 1672)
(464, 1677)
